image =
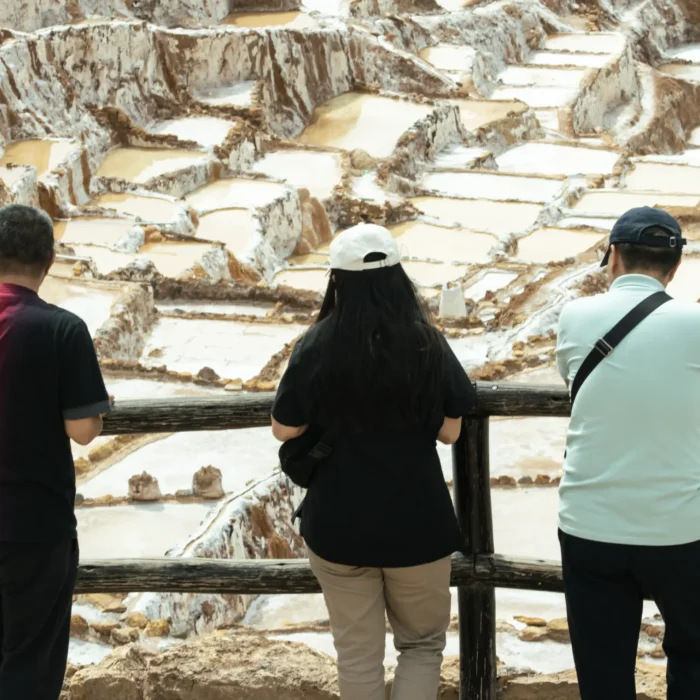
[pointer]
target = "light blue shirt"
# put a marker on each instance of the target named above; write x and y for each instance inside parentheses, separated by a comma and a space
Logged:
(632, 471)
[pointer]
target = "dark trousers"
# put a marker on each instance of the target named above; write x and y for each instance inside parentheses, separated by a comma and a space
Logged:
(36, 593)
(605, 588)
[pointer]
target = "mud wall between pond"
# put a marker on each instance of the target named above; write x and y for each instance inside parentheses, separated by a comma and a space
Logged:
(256, 524)
(123, 335)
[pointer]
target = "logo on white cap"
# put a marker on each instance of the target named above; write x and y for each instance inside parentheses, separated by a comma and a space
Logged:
(349, 248)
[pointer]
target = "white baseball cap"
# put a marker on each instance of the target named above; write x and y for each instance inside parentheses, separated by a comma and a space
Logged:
(349, 248)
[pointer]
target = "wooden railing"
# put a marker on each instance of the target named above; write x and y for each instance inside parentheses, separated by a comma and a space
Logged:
(477, 572)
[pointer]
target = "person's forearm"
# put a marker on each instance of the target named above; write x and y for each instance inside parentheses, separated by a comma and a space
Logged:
(450, 431)
(283, 433)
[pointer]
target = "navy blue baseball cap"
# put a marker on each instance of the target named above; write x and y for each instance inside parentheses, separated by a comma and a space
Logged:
(634, 227)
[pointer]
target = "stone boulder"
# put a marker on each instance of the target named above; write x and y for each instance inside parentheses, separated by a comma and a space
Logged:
(207, 483)
(242, 666)
(143, 487)
(119, 677)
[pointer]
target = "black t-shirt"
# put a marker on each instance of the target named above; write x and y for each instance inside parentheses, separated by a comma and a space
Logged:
(380, 499)
(49, 372)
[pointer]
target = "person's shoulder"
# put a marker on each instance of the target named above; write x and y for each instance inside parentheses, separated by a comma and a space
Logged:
(59, 320)
(573, 310)
(685, 310)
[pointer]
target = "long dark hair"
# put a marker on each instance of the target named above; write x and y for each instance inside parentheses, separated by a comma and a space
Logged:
(379, 357)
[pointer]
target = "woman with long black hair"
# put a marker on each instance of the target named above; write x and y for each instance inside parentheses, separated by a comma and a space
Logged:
(377, 518)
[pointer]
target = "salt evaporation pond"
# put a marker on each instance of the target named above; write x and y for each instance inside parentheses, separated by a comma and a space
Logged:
(553, 244)
(659, 177)
(368, 122)
(45, 155)
(147, 208)
(554, 58)
(499, 218)
(232, 349)
(232, 227)
(206, 131)
(91, 302)
(139, 165)
(556, 159)
(317, 171)
(235, 192)
(427, 242)
(254, 20)
(481, 185)
(92, 231)
(241, 455)
(136, 531)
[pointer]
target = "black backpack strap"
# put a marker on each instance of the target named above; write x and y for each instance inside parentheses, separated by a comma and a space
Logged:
(605, 345)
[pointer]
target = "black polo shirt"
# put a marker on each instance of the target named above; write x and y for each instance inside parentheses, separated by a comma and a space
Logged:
(48, 372)
(380, 499)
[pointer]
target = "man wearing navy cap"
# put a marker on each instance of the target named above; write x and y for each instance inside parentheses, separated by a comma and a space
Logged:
(629, 516)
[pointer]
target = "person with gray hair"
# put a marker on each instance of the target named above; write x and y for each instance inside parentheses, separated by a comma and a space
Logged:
(51, 391)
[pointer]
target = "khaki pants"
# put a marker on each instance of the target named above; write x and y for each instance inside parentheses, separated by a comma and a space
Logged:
(417, 603)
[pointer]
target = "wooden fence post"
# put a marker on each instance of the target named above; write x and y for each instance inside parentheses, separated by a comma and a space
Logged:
(477, 602)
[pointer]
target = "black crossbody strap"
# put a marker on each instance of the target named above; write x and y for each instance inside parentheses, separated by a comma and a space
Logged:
(614, 337)
(324, 446)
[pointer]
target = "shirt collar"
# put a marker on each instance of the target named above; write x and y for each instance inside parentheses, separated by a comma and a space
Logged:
(16, 290)
(638, 282)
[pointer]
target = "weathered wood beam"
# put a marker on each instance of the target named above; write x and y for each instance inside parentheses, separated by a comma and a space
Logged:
(267, 576)
(253, 410)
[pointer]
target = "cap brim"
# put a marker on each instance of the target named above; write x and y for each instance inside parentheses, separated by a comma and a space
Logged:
(606, 257)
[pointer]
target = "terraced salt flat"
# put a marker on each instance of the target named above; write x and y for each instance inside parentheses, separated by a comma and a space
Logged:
(495, 187)
(205, 131)
(239, 95)
(491, 281)
(554, 58)
(598, 42)
(615, 203)
(92, 231)
(139, 165)
(234, 308)
(426, 242)
(136, 531)
(658, 177)
(242, 456)
(235, 192)
(522, 76)
(316, 171)
(499, 218)
(448, 57)
(557, 159)
(232, 227)
(147, 208)
(358, 121)
(171, 259)
(537, 97)
(233, 350)
(311, 280)
(476, 114)
(43, 154)
(133, 388)
(255, 20)
(553, 244)
(90, 302)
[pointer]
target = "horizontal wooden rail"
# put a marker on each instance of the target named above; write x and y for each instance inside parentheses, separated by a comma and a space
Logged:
(268, 576)
(253, 410)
